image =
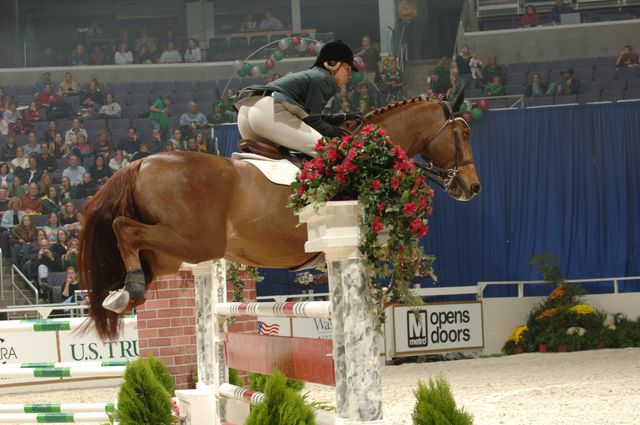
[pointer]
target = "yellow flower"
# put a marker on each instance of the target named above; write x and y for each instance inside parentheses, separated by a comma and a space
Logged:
(516, 336)
(583, 309)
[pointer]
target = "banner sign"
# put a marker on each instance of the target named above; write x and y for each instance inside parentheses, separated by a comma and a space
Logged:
(438, 327)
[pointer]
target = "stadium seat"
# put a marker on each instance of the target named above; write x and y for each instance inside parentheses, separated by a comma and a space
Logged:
(3, 140)
(612, 95)
(39, 220)
(21, 139)
(64, 125)
(258, 41)
(62, 163)
(583, 74)
(40, 127)
(138, 99)
(584, 63)
(207, 96)
(23, 91)
(589, 97)
(539, 101)
(516, 79)
(606, 61)
(182, 97)
(56, 279)
(275, 37)
(23, 100)
(137, 111)
(117, 89)
(216, 44)
(632, 93)
(182, 86)
(177, 109)
(119, 124)
(614, 85)
(517, 68)
(633, 84)
(140, 88)
(207, 85)
(592, 87)
(627, 73)
(560, 64)
(95, 125)
(141, 124)
(515, 89)
(161, 87)
(87, 161)
(565, 100)
(605, 73)
(175, 121)
(56, 176)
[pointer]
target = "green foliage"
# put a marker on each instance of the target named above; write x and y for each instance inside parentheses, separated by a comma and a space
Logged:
(162, 374)
(233, 274)
(436, 406)
(283, 405)
(234, 378)
(143, 399)
(624, 332)
(257, 382)
(547, 264)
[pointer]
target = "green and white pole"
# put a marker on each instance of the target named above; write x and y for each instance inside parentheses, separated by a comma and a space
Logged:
(62, 365)
(58, 408)
(62, 372)
(53, 418)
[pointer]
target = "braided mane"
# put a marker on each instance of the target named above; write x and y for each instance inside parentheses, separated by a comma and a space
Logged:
(387, 108)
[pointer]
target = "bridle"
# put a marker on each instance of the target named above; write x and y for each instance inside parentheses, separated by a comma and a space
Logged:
(443, 177)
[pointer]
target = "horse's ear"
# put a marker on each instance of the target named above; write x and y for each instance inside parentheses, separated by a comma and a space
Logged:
(459, 101)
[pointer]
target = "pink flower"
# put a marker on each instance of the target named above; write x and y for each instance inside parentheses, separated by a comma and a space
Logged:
(410, 208)
(395, 182)
(377, 224)
(332, 154)
(301, 190)
(399, 153)
(368, 129)
(431, 193)
(380, 206)
(357, 145)
(376, 185)
(351, 155)
(423, 203)
(347, 138)
(382, 132)
(429, 210)
(340, 178)
(343, 144)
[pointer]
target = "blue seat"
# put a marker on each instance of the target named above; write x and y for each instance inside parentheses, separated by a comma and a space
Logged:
(135, 111)
(138, 99)
(564, 100)
(583, 74)
(40, 127)
(23, 100)
(206, 96)
(604, 61)
(39, 220)
(64, 125)
(517, 68)
(516, 79)
(584, 63)
(515, 89)
(140, 87)
(117, 89)
(207, 85)
(177, 109)
(561, 64)
(161, 87)
(632, 93)
(95, 125)
(182, 97)
(539, 101)
(182, 86)
(605, 73)
(612, 95)
(589, 97)
(592, 87)
(627, 73)
(62, 163)
(23, 91)
(21, 139)
(141, 125)
(119, 124)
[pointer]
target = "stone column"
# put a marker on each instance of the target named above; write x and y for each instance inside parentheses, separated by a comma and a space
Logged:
(333, 228)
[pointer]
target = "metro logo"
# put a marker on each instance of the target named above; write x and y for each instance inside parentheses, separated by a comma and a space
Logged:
(417, 328)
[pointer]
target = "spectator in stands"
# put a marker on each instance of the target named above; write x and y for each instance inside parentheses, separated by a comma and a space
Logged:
(492, 70)
(269, 22)
(71, 285)
(495, 88)
(65, 190)
(159, 115)
(68, 86)
(144, 56)
(476, 68)
(142, 152)
(111, 109)
(31, 202)
(46, 262)
(8, 151)
(463, 59)
(87, 188)
(201, 142)
(123, 55)
(217, 115)
(456, 83)
(558, 9)
(68, 216)
(178, 140)
(145, 40)
(97, 56)
(31, 116)
(168, 147)
(129, 145)
(31, 174)
(537, 87)
(168, 37)
(93, 99)
(52, 227)
(71, 136)
(48, 57)
(103, 145)
(4, 232)
(59, 147)
(193, 52)
(13, 215)
(32, 145)
(227, 100)
(4, 200)
(50, 202)
(5, 99)
(95, 30)
(124, 37)
(20, 161)
(59, 248)
(192, 145)
(29, 260)
(170, 54)
(47, 97)
(249, 24)
(21, 234)
(370, 56)
(81, 148)
(44, 184)
(70, 259)
(530, 18)
(74, 171)
(192, 119)
(50, 133)
(46, 160)
(157, 143)
(79, 55)
(16, 188)
(5, 175)
(11, 114)
(118, 161)
(627, 58)
(44, 80)
(438, 86)
(568, 86)
(100, 170)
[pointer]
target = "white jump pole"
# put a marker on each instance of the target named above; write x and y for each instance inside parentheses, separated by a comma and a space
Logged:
(334, 229)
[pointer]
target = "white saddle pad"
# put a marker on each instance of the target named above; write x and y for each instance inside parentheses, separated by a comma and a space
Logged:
(278, 171)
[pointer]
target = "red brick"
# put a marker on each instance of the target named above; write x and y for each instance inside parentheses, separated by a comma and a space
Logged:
(173, 331)
(180, 340)
(160, 342)
(146, 314)
(159, 323)
(144, 334)
(169, 312)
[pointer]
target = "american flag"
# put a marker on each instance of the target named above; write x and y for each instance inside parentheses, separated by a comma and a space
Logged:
(267, 329)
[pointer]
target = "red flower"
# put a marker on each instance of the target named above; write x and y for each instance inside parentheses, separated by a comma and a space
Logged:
(303, 174)
(416, 225)
(382, 132)
(347, 138)
(431, 193)
(332, 154)
(423, 231)
(319, 147)
(318, 164)
(410, 208)
(340, 178)
(399, 153)
(343, 144)
(368, 129)
(429, 210)
(351, 155)
(301, 190)
(357, 145)
(380, 206)
(423, 203)
(377, 224)
(376, 185)
(395, 182)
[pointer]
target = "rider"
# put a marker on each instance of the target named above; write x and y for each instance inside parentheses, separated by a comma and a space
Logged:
(288, 111)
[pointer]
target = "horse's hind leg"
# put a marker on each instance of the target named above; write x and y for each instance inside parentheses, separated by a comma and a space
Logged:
(162, 240)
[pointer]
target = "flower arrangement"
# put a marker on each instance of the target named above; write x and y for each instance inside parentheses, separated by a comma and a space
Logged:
(583, 309)
(547, 313)
(518, 333)
(392, 192)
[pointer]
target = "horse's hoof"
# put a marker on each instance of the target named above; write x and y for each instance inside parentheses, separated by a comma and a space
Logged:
(117, 301)
(135, 284)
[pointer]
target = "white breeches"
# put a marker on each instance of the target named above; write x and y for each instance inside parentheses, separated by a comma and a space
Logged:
(261, 119)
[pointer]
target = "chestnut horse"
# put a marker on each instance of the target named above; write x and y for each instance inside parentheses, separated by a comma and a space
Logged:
(178, 207)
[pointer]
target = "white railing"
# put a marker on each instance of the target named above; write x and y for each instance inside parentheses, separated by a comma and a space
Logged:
(521, 283)
(486, 8)
(45, 310)
(14, 286)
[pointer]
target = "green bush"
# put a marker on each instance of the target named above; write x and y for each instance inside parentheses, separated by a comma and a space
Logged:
(162, 374)
(143, 398)
(283, 405)
(436, 406)
(257, 383)
(234, 378)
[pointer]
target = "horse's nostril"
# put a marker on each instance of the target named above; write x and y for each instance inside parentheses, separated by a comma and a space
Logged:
(475, 188)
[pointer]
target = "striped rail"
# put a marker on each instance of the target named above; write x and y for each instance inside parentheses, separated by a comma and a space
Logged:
(61, 365)
(309, 309)
(61, 372)
(233, 392)
(48, 325)
(53, 418)
(58, 408)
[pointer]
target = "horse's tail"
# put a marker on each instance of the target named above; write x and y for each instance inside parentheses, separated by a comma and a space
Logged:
(100, 266)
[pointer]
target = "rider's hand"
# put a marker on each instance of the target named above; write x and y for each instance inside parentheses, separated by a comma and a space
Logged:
(354, 117)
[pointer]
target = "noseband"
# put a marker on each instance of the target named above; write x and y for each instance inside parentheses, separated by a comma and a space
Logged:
(443, 177)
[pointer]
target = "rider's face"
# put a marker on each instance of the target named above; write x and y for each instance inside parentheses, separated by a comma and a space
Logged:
(342, 75)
